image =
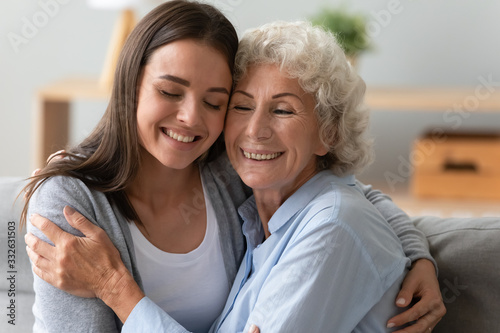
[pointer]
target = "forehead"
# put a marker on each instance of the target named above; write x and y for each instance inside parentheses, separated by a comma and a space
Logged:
(188, 56)
(269, 77)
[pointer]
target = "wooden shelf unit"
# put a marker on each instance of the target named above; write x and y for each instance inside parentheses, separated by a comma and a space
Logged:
(478, 99)
(52, 113)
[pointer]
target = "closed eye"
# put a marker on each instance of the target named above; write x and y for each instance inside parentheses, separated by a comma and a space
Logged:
(167, 94)
(282, 112)
(212, 106)
(242, 108)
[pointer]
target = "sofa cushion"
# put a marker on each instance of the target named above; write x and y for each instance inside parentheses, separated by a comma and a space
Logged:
(467, 252)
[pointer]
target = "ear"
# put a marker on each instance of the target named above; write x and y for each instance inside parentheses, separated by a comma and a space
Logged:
(322, 149)
(322, 146)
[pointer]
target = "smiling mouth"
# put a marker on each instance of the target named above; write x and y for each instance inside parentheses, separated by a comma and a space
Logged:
(261, 157)
(178, 137)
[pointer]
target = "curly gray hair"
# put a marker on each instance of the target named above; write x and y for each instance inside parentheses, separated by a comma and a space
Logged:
(312, 55)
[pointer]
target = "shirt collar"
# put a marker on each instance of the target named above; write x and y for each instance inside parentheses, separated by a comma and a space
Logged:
(252, 226)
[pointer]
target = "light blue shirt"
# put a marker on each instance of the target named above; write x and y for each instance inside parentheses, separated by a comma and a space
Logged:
(331, 264)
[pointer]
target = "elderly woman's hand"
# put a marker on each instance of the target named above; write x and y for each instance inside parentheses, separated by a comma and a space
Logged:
(87, 266)
(78, 265)
(420, 283)
(82, 266)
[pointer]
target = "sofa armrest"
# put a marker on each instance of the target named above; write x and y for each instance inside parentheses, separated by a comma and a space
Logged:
(10, 212)
(16, 284)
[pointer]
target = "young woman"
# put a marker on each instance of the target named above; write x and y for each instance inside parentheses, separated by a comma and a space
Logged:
(152, 178)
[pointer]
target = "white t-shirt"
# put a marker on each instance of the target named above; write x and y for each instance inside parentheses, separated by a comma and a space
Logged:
(192, 288)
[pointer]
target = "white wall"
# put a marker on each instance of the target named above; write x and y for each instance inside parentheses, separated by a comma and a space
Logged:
(422, 43)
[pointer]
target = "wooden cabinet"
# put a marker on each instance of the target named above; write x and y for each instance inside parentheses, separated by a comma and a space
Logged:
(462, 102)
(457, 166)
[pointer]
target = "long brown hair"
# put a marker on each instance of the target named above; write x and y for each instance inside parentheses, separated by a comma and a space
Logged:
(108, 159)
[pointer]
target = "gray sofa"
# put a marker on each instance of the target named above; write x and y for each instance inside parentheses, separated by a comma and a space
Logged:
(467, 252)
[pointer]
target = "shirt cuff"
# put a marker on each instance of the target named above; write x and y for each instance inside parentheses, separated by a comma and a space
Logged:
(419, 256)
(149, 317)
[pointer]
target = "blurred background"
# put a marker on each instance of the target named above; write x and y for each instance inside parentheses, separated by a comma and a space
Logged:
(415, 44)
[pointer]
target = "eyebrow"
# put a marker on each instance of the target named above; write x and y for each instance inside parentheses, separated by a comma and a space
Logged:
(218, 90)
(273, 97)
(186, 83)
(286, 94)
(175, 79)
(243, 93)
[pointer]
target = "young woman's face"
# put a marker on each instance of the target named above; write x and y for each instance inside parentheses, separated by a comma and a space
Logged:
(271, 132)
(183, 94)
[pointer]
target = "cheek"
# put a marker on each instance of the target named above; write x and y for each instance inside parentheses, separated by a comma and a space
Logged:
(143, 123)
(144, 112)
(142, 133)
(146, 117)
(231, 127)
(215, 123)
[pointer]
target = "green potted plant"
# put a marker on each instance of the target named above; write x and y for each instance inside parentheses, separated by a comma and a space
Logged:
(348, 27)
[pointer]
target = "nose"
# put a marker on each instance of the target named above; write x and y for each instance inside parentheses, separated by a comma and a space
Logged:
(258, 126)
(189, 112)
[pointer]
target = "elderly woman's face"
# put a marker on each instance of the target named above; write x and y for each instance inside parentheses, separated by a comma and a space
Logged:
(271, 131)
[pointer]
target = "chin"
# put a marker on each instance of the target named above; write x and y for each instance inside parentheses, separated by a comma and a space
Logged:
(255, 181)
(176, 163)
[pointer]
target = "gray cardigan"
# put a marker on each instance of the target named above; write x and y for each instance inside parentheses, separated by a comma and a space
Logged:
(58, 311)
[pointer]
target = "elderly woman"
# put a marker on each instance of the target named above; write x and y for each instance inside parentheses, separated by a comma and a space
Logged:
(320, 257)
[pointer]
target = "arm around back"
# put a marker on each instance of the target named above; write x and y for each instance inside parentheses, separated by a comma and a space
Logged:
(56, 310)
(412, 239)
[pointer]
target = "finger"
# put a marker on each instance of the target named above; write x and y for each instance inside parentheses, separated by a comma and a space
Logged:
(412, 314)
(80, 222)
(38, 246)
(41, 273)
(405, 295)
(37, 261)
(56, 155)
(253, 329)
(424, 325)
(50, 229)
(426, 312)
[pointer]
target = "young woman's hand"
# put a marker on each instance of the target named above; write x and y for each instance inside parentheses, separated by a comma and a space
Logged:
(87, 266)
(420, 283)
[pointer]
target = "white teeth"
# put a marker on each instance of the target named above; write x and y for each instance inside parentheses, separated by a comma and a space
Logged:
(261, 157)
(179, 137)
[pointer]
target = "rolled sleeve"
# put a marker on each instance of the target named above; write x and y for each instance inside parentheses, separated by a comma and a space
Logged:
(148, 317)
